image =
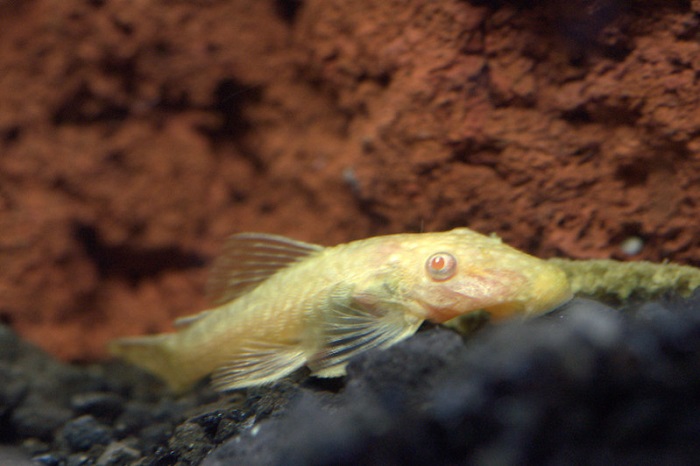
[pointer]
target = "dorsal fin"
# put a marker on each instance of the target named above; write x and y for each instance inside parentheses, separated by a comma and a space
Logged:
(249, 259)
(186, 321)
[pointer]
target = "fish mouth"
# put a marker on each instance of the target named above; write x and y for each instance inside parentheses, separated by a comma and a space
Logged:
(502, 310)
(546, 293)
(442, 313)
(498, 311)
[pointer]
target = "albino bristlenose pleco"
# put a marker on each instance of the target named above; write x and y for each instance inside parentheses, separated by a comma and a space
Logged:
(283, 304)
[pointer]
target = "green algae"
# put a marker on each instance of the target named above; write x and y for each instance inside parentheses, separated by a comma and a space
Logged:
(611, 280)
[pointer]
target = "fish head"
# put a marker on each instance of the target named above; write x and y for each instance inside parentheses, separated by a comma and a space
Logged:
(449, 274)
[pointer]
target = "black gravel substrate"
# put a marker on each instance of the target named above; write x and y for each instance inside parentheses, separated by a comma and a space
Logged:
(587, 384)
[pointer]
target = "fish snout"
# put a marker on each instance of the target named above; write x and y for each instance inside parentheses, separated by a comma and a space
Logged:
(544, 287)
(550, 289)
(502, 291)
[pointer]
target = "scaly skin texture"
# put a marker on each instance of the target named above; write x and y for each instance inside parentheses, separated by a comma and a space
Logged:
(328, 304)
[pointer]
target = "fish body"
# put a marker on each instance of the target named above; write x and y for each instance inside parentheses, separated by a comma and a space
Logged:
(283, 304)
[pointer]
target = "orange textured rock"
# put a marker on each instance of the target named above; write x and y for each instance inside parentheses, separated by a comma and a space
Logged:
(134, 137)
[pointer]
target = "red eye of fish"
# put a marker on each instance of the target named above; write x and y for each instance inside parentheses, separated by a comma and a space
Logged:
(441, 266)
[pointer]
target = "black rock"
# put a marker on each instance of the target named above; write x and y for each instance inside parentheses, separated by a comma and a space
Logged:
(233, 422)
(39, 421)
(117, 454)
(13, 389)
(104, 406)
(12, 347)
(154, 435)
(586, 384)
(78, 459)
(136, 416)
(48, 459)
(190, 443)
(83, 432)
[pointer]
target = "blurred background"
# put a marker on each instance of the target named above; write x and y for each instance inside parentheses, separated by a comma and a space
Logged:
(135, 136)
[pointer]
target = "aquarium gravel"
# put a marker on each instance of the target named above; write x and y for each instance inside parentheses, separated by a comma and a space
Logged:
(585, 384)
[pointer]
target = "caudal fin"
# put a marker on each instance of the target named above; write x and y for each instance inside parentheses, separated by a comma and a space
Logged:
(156, 354)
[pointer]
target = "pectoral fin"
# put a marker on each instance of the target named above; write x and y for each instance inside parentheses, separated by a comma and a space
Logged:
(258, 363)
(353, 324)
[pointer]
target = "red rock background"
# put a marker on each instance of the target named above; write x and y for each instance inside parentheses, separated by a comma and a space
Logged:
(136, 135)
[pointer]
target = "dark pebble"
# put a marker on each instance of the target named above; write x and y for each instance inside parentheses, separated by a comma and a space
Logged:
(35, 447)
(587, 382)
(154, 435)
(82, 433)
(11, 346)
(13, 389)
(117, 454)
(103, 406)
(79, 459)
(48, 459)
(39, 421)
(136, 416)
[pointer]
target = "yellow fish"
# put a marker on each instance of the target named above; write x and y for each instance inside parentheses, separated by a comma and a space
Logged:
(283, 304)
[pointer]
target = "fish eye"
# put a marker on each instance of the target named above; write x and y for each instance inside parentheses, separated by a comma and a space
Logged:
(441, 266)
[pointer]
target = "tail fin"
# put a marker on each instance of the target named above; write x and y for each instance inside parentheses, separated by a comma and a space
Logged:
(157, 354)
